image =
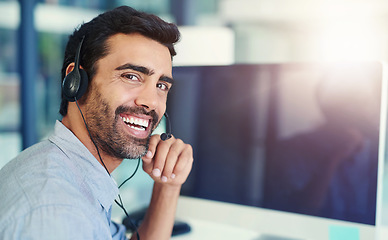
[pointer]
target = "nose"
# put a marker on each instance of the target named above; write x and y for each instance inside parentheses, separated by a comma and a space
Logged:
(147, 97)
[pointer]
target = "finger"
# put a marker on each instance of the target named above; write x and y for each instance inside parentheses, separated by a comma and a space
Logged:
(184, 164)
(172, 157)
(160, 157)
(148, 164)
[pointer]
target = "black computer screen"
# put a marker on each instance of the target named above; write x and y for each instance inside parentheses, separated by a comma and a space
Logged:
(300, 138)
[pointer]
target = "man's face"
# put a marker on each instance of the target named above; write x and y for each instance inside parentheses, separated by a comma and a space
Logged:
(128, 94)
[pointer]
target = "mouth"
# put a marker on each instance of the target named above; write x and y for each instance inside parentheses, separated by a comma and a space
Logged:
(138, 126)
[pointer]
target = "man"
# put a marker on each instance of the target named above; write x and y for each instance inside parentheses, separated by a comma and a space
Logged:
(61, 188)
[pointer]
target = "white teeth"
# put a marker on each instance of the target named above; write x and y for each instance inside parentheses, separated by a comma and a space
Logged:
(137, 128)
(136, 121)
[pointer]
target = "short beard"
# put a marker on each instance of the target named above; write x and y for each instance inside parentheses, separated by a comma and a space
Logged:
(108, 136)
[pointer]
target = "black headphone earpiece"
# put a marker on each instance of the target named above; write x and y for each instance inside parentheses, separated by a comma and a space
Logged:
(74, 85)
(167, 135)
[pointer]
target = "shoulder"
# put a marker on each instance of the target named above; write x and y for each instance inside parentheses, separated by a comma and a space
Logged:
(49, 222)
(40, 176)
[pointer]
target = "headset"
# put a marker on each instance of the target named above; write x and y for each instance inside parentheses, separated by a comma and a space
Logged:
(167, 135)
(74, 85)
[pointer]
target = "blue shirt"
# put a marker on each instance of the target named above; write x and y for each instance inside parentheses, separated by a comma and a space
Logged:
(57, 189)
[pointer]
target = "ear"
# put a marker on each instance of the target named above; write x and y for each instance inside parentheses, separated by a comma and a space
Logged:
(69, 68)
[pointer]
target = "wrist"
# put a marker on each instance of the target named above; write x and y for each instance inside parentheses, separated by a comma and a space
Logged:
(167, 189)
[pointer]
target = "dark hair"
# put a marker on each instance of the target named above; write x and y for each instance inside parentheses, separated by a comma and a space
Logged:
(124, 20)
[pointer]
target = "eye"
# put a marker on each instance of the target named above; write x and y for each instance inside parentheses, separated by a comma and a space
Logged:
(163, 86)
(131, 77)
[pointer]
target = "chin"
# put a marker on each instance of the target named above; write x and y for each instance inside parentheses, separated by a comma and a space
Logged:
(137, 149)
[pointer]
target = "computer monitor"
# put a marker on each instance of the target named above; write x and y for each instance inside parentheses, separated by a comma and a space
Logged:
(304, 138)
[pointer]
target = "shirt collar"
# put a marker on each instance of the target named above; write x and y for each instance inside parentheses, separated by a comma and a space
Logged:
(103, 186)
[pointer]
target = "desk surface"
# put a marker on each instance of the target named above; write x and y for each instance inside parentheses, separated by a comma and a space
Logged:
(217, 220)
(202, 229)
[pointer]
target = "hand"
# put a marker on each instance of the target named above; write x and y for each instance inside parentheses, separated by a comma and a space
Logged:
(168, 161)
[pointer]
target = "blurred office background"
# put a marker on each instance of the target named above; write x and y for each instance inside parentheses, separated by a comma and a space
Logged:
(214, 32)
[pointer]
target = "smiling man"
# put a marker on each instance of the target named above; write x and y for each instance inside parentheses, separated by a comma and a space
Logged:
(61, 188)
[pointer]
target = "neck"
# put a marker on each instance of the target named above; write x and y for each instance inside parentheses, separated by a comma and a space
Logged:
(74, 122)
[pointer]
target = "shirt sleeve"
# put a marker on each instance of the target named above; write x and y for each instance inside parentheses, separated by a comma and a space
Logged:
(56, 222)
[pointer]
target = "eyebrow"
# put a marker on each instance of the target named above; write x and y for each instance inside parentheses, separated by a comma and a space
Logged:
(166, 79)
(145, 71)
